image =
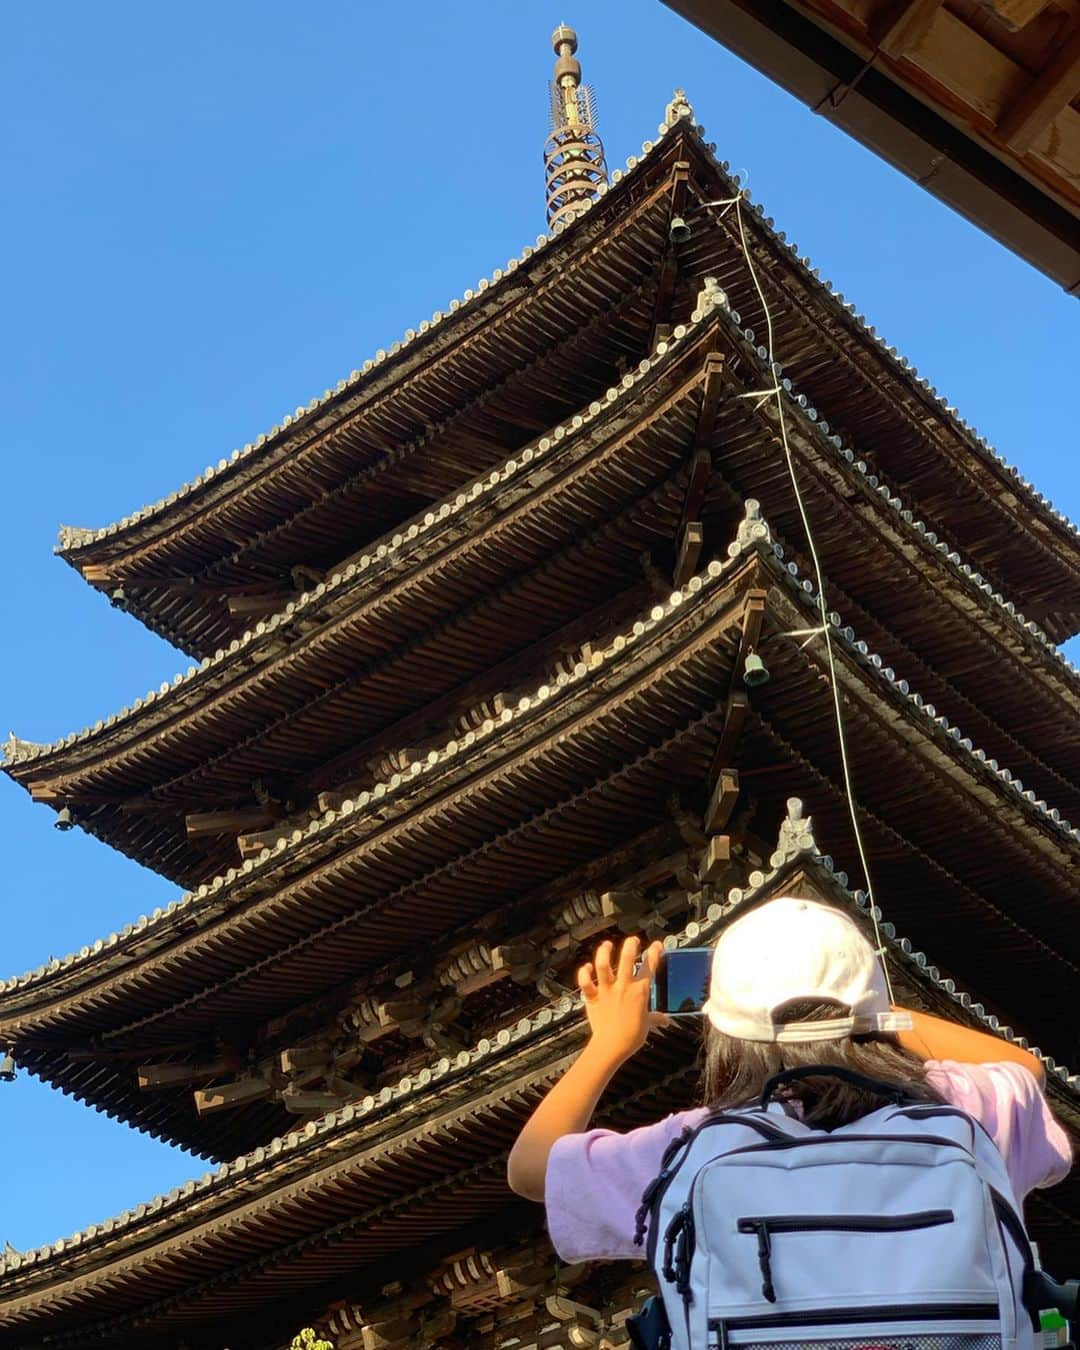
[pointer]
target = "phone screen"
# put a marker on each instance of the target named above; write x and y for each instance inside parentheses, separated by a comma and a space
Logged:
(681, 985)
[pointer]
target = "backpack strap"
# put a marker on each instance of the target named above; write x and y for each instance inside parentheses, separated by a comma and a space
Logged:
(890, 1091)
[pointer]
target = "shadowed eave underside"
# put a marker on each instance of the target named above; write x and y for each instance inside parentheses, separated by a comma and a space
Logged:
(310, 1191)
(962, 457)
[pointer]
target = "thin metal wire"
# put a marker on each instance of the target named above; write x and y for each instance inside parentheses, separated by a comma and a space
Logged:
(826, 627)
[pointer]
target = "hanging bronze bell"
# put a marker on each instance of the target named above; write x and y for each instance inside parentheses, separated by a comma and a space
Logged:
(755, 671)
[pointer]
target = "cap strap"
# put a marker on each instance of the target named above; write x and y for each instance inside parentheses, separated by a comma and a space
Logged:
(836, 1028)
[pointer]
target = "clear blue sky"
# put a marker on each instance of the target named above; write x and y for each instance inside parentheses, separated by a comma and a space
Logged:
(215, 211)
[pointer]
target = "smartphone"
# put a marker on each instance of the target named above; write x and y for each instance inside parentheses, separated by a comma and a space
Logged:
(681, 984)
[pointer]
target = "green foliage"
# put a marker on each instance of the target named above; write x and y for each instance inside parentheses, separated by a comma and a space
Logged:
(305, 1339)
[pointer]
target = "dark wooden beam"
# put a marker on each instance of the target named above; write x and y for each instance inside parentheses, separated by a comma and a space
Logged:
(199, 823)
(712, 375)
(304, 1101)
(669, 266)
(252, 606)
(301, 1057)
(690, 545)
(715, 859)
(738, 701)
(227, 1095)
(153, 1077)
(722, 801)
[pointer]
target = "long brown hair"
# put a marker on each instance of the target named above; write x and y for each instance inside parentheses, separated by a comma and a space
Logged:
(736, 1071)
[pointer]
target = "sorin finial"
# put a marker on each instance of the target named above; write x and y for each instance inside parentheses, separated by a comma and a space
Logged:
(574, 164)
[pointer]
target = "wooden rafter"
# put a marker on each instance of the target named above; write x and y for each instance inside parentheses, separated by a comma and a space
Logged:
(669, 267)
(1049, 93)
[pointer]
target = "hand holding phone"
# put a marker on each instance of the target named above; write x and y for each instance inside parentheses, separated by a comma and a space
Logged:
(681, 983)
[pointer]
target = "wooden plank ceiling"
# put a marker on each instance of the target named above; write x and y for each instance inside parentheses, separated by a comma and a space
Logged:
(977, 100)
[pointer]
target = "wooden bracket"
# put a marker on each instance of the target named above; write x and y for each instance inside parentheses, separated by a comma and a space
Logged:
(901, 25)
(715, 859)
(738, 701)
(200, 823)
(153, 1077)
(1049, 93)
(722, 801)
(301, 1058)
(669, 265)
(713, 380)
(625, 907)
(691, 542)
(519, 960)
(226, 1095)
(306, 1101)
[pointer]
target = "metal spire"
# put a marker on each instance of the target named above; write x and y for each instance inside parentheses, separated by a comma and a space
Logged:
(573, 154)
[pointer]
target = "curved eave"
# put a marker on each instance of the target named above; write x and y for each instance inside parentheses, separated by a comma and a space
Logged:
(395, 424)
(412, 554)
(1021, 518)
(160, 726)
(314, 840)
(301, 887)
(342, 1179)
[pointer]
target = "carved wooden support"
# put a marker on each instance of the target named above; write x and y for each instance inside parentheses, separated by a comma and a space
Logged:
(691, 541)
(722, 800)
(201, 823)
(311, 1101)
(468, 968)
(227, 1095)
(389, 762)
(716, 859)
(568, 662)
(476, 714)
(584, 1325)
(625, 907)
(153, 1077)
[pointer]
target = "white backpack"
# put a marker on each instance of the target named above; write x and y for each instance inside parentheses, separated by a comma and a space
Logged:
(897, 1230)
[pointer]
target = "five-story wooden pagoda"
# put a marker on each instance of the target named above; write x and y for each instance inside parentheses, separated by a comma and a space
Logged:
(469, 637)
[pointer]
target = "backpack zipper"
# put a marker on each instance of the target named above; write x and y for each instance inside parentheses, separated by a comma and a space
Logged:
(1010, 1222)
(765, 1225)
(653, 1196)
(812, 1141)
(846, 1223)
(828, 1317)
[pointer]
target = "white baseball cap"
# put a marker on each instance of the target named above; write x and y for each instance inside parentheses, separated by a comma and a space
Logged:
(797, 949)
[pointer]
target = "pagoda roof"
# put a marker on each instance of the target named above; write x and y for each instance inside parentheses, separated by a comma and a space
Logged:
(410, 858)
(173, 560)
(265, 692)
(423, 1156)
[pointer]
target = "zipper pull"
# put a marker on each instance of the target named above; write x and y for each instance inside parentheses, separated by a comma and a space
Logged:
(667, 1266)
(764, 1255)
(684, 1252)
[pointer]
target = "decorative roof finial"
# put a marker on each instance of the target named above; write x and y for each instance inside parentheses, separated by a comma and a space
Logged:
(573, 154)
(678, 108)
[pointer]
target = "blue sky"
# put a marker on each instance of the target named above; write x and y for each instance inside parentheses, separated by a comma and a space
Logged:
(214, 212)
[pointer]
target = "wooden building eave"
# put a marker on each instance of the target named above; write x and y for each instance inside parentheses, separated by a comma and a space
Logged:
(1011, 534)
(426, 1155)
(175, 748)
(973, 110)
(926, 793)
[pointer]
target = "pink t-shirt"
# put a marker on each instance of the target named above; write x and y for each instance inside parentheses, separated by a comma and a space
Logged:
(595, 1180)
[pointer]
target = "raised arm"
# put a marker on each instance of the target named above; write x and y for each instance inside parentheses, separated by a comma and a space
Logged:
(617, 1006)
(936, 1038)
